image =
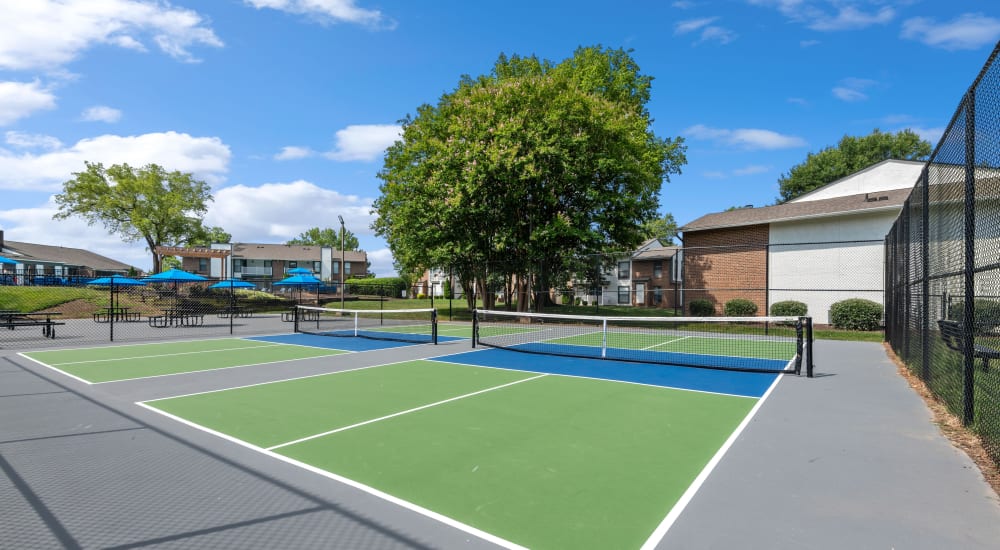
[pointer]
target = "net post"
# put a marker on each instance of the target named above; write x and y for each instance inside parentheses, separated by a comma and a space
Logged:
(604, 338)
(475, 326)
(809, 347)
(295, 319)
(356, 323)
(799, 349)
(434, 326)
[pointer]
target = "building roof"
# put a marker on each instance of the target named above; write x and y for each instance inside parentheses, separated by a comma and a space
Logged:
(879, 177)
(74, 257)
(837, 206)
(660, 253)
(291, 252)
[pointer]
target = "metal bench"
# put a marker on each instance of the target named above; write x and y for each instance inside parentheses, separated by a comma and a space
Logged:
(12, 320)
(953, 334)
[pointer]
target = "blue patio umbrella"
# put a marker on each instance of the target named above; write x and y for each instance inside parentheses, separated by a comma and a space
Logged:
(115, 281)
(299, 281)
(174, 276)
(299, 271)
(233, 283)
(7, 261)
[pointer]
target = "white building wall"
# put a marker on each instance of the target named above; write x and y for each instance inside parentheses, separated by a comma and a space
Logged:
(847, 261)
(885, 176)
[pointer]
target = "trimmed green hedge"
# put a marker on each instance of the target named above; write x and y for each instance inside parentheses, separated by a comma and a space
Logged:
(702, 308)
(740, 307)
(789, 308)
(856, 314)
(389, 287)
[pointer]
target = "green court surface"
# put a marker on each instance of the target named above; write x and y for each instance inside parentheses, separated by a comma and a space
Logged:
(680, 343)
(542, 461)
(112, 363)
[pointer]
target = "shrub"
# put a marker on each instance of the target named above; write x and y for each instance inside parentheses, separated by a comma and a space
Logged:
(448, 292)
(566, 299)
(987, 314)
(740, 307)
(856, 314)
(789, 308)
(421, 296)
(702, 308)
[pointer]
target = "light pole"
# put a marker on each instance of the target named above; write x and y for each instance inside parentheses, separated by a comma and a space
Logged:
(342, 235)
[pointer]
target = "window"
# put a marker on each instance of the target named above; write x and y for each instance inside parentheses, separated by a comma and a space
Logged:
(623, 270)
(658, 269)
(675, 266)
(623, 295)
(347, 268)
(657, 295)
(317, 267)
(202, 264)
(336, 267)
(293, 265)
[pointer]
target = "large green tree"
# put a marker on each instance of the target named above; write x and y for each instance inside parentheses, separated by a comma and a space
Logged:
(664, 229)
(847, 157)
(210, 235)
(326, 237)
(151, 204)
(513, 176)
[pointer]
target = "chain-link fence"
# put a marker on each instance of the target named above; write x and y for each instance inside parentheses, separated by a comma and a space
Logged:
(943, 265)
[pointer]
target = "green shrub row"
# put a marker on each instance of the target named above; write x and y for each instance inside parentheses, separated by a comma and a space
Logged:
(389, 287)
(856, 314)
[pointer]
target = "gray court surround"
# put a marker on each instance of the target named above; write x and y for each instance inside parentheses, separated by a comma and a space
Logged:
(850, 459)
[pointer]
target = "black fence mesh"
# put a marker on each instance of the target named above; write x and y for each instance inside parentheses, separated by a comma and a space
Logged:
(943, 265)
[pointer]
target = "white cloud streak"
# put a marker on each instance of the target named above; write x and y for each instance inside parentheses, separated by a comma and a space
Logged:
(853, 89)
(746, 138)
(969, 31)
(47, 34)
(20, 99)
(206, 157)
(23, 140)
(328, 11)
(829, 15)
(364, 142)
(292, 152)
(101, 113)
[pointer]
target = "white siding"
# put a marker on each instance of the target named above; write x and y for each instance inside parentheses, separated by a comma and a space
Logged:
(885, 176)
(839, 266)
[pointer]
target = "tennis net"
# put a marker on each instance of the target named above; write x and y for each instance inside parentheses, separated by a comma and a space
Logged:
(753, 344)
(405, 325)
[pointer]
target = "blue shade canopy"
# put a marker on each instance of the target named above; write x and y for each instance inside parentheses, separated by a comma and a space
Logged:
(7, 261)
(299, 271)
(233, 283)
(116, 281)
(299, 280)
(174, 276)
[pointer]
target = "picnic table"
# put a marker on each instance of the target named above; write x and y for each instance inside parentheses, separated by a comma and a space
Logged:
(177, 316)
(116, 313)
(234, 311)
(12, 319)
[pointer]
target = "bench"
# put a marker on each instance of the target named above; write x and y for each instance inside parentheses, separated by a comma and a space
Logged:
(953, 335)
(14, 320)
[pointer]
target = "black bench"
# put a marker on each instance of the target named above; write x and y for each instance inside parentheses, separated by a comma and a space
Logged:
(15, 320)
(953, 335)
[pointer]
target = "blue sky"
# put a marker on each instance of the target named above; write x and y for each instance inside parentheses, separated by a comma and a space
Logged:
(285, 106)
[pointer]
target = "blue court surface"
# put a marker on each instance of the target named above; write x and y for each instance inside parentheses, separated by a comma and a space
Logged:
(747, 384)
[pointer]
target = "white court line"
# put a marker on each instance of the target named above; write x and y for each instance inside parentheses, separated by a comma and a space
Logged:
(268, 345)
(661, 530)
(349, 482)
(62, 372)
(400, 413)
(664, 343)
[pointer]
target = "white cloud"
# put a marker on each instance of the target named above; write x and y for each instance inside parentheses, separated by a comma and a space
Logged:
(707, 32)
(808, 43)
(747, 138)
(21, 99)
(101, 113)
(381, 261)
(24, 140)
(853, 89)
(46, 34)
(751, 169)
(968, 31)
(364, 142)
(292, 152)
(932, 135)
(328, 11)
(829, 15)
(206, 157)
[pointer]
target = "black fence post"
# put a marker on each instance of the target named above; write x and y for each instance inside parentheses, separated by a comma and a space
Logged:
(925, 260)
(968, 409)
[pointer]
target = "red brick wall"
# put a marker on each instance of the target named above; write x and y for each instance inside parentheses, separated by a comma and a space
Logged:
(722, 264)
(643, 272)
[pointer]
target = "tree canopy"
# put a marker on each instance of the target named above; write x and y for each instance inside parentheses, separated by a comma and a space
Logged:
(326, 237)
(210, 235)
(149, 203)
(515, 175)
(664, 229)
(847, 157)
